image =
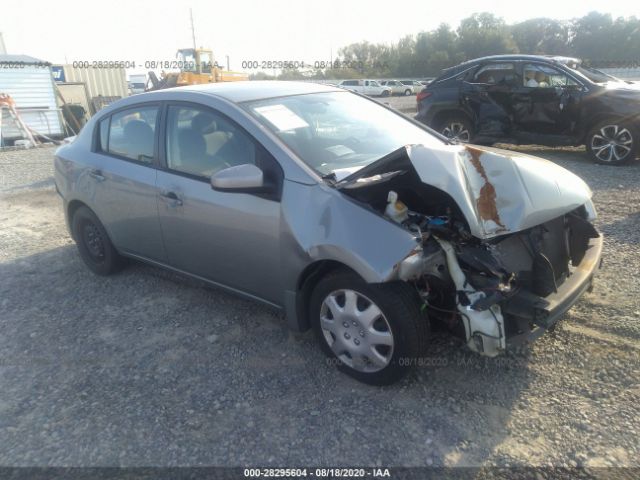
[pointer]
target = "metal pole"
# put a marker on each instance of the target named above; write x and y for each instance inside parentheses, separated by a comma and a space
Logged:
(227, 62)
(193, 31)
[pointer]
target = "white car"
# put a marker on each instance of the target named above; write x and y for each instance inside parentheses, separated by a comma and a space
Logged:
(366, 87)
(397, 87)
(412, 85)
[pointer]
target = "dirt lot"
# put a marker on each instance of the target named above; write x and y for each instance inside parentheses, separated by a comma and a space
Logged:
(403, 104)
(148, 368)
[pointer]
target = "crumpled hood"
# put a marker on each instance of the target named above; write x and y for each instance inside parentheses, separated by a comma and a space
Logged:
(498, 191)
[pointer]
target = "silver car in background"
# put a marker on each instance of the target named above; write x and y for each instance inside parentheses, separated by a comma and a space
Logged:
(397, 88)
(353, 219)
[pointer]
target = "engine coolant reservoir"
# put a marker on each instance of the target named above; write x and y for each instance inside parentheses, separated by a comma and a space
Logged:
(396, 210)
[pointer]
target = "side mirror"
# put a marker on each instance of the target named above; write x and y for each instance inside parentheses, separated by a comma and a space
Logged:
(241, 178)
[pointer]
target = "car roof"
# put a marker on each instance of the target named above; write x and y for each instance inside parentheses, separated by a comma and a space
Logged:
(543, 58)
(244, 91)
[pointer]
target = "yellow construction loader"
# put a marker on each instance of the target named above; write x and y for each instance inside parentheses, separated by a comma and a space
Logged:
(197, 66)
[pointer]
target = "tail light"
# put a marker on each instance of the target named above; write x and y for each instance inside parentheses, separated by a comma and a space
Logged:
(422, 95)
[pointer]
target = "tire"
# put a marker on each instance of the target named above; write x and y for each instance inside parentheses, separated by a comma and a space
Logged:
(386, 93)
(407, 92)
(94, 245)
(377, 352)
(613, 142)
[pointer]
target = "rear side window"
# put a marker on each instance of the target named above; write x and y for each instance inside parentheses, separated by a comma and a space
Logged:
(131, 133)
(496, 74)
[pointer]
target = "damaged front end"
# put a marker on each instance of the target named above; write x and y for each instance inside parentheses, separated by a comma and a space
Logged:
(504, 244)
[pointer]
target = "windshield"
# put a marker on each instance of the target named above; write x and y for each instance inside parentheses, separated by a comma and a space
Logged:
(595, 75)
(337, 132)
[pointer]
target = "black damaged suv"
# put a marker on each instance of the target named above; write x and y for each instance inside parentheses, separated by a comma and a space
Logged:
(530, 99)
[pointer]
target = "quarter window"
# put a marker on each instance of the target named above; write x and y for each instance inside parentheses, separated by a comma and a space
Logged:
(131, 133)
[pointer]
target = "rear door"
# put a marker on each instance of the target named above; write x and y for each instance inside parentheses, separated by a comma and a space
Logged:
(486, 94)
(547, 101)
(123, 179)
(227, 237)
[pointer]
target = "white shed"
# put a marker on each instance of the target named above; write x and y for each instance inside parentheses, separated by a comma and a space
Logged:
(29, 82)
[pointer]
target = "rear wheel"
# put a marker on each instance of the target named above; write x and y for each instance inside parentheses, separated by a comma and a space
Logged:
(456, 128)
(407, 92)
(612, 142)
(375, 332)
(94, 245)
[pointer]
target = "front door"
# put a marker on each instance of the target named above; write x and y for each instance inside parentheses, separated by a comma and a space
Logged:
(547, 101)
(226, 237)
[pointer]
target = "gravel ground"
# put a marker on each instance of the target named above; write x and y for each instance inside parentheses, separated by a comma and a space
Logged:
(406, 105)
(149, 368)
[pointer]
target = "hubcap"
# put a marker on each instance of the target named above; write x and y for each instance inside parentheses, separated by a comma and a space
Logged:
(93, 241)
(612, 143)
(457, 131)
(356, 330)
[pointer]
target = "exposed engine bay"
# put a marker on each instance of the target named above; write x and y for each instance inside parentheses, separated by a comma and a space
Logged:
(495, 288)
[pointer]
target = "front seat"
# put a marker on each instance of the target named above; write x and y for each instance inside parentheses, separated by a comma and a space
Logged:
(193, 152)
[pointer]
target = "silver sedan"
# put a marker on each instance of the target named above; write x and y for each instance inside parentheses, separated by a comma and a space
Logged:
(353, 219)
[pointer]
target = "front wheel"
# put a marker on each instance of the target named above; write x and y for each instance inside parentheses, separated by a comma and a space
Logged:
(456, 128)
(375, 332)
(612, 142)
(407, 92)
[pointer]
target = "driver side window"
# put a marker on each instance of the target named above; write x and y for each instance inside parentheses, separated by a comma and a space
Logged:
(543, 76)
(201, 142)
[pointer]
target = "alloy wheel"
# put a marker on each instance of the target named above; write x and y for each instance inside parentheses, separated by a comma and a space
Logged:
(612, 143)
(356, 330)
(457, 131)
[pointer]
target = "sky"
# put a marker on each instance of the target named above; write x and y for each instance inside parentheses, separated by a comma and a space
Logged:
(63, 31)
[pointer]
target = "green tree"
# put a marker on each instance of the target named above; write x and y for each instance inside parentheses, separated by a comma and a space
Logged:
(542, 36)
(592, 37)
(484, 34)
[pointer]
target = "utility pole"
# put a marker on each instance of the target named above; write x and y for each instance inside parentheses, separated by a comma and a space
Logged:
(227, 62)
(193, 31)
(3, 49)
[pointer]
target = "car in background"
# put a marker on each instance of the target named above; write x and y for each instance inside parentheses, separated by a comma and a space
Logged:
(366, 87)
(412, 86)
(397, 87)
(354, 220)
(533, 99)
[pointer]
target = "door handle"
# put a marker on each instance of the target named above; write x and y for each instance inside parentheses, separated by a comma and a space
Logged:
(97, 175)
(173, 199)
